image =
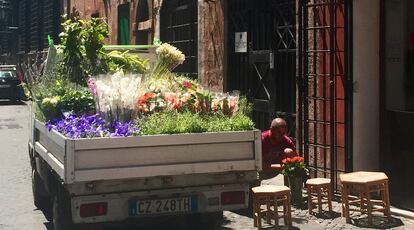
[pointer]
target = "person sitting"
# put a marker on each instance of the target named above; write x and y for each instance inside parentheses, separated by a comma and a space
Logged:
(276, 145)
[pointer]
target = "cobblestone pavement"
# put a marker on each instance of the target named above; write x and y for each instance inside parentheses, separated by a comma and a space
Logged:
(17, 211)
(302, 219)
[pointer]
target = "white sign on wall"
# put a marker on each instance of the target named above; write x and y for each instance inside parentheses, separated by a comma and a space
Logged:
(241, 42)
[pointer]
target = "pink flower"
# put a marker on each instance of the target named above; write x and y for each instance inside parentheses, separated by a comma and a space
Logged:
(187, 84)
(92, 85)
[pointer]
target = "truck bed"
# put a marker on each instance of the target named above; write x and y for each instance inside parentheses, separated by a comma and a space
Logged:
(83, 160)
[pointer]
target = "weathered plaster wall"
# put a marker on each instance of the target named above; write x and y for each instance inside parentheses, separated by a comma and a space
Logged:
(109, 10)
(211, 43)
(366, 35)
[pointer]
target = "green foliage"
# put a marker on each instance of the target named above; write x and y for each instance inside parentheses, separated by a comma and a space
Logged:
(245, 107)
(83, 53)
(60, 96)
(77, 100)
(187, 122)
(94, 32)
(220, 123)
(72, 64)
(124, 61)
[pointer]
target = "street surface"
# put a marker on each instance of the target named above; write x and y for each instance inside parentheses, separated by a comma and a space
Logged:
(18, 212)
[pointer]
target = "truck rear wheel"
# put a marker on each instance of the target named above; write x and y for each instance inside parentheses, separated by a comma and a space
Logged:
(40, 201)
(62, 215)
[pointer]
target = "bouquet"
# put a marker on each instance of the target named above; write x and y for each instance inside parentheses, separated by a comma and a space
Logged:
(169, 57)
(294, 166)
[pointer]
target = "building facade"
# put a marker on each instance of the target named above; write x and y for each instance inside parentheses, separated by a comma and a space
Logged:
(339, 71)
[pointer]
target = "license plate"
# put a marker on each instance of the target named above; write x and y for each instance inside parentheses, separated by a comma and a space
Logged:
(159, 206)
(5, 86)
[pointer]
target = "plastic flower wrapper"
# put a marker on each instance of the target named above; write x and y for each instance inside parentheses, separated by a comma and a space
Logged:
(116, 95)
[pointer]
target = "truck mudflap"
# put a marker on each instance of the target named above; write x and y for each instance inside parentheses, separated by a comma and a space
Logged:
(179, 201)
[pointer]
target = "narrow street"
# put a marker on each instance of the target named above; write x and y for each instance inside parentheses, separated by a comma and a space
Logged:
(17, 209)
(18, 212)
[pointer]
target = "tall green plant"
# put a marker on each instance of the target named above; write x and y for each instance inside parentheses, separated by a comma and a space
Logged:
(94, 32)
(72, 64)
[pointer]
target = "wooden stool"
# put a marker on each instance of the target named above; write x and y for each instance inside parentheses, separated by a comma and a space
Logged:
(365, 183)
(322, 188)
(270, 195)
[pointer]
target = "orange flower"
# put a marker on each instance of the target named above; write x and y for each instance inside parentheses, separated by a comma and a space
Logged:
(143, 99)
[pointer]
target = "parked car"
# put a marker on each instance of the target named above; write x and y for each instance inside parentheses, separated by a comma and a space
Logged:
(10, 85)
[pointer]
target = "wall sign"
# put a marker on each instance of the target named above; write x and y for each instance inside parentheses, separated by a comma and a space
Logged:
(241, 42)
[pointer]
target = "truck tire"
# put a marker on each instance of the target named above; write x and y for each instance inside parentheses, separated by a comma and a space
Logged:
(62, 215)
(40, 201)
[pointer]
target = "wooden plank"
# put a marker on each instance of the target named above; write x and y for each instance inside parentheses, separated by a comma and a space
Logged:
(162, 140)
(70, 162)
(54, 162)
(53, 135)
(258, 149)
(51, 146)
(163, 170)
(162, 155)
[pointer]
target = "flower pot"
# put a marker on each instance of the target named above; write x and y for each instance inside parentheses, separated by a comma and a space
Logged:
(296, 185)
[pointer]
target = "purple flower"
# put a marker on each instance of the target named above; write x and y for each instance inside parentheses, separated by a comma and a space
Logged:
(75, 127)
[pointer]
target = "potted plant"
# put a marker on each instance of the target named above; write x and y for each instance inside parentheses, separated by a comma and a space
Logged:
(295, 169)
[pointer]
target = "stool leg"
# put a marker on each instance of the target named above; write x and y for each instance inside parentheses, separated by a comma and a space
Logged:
(369, 205)
(319, 191)
(361, 197)
(345, 208)
(254, 211)
(268, 210)
(285, 217)
(329, 198)
(387, 200)
(309, 189)
(276, 214)
(289, 215)
(259, 217)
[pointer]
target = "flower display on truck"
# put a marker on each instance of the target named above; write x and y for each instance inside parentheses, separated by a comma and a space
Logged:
(88, 92)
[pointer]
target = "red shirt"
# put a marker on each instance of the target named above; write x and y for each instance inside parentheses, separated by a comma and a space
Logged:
(272, 150)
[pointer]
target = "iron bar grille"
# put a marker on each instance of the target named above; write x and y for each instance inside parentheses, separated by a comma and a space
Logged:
(324, 82)
(37, 20)
(271, 34)
(179, 27)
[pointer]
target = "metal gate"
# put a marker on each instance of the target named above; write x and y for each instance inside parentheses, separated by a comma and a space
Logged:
(266, 70)
(325, 81)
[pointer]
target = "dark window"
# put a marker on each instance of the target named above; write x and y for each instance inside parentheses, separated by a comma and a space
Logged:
(179, 28)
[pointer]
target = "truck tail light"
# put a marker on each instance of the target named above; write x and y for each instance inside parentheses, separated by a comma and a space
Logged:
(236, 197)
(93, 209)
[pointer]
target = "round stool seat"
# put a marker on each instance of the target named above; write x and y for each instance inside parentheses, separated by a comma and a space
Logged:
(270, 189)
(318, 181)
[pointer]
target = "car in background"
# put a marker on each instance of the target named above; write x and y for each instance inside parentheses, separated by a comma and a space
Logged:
(10, 84)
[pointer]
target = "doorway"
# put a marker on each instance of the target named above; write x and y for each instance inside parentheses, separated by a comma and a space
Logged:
(398, 100)
(261, 58)
(123, 24)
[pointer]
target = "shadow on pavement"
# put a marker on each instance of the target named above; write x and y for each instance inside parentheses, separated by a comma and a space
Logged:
(7, 103)
(378, 222)
(327, 215)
